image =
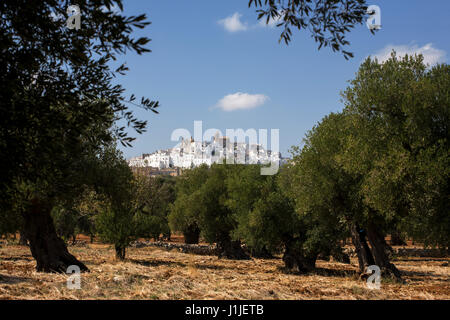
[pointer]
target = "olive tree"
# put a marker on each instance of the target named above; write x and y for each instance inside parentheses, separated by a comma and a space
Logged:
(154, 195)
(400, 145)
(116, 222)
(59, 105)
(184, 211)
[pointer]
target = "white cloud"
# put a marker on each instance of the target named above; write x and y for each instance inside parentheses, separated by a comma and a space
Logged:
(233, 23)
(430, 54)
(240, 101)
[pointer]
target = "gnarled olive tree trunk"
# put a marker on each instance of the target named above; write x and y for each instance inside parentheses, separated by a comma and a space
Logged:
(49, 250)
(23, 241)
(363, 252)
(191, 234)
(261, 253)
(120, 252)
(296, 260)
(380, 251)
(226, 248)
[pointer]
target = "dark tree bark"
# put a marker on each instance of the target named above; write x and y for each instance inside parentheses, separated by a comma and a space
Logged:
(47, 248)
(380, 250)
(324, 256)
(363, 252)
(192, 234)
(295, 259)
(120, 252)
(397, 239)
(226, 248)
(23, 241)
(340, 256)
(167, 235)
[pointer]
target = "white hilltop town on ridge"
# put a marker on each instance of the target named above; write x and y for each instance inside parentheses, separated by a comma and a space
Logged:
(189, 154)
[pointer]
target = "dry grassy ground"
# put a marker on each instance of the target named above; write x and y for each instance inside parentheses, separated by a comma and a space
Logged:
(151, 273)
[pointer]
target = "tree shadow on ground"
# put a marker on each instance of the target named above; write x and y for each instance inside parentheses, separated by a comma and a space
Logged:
(157, 263)
(323, 272)
(16, 258)
(6, 279)
(418, 276)
(335, 273)
(410, 275)
(420, 259)
(210, 266)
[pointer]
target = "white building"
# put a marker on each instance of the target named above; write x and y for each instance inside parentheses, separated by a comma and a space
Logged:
(190, 153)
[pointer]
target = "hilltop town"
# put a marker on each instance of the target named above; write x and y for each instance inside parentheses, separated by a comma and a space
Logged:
(190, 154)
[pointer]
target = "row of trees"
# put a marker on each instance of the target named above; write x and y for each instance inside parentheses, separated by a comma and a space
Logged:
(235, 204)
(381, 166)
(120, 208)
(117, 206)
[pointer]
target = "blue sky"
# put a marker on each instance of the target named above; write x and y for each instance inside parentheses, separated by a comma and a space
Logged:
(196, 62)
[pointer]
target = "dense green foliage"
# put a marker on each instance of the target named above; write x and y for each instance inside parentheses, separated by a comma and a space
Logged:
(381, 166)
(116, 221)
(184, 212)
(58, 103)
(265, 217)
(154, 196)
(399, 114)
(121, 208)
(234, 203)
(202, 202)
